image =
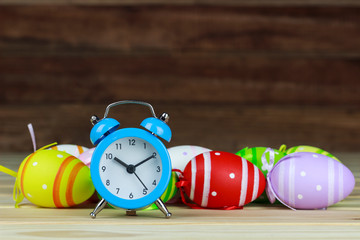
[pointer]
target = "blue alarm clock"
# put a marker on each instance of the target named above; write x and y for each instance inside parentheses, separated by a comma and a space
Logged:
(130, 167)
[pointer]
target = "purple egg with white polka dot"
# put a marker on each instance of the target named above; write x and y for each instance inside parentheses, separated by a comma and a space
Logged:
(306, 180)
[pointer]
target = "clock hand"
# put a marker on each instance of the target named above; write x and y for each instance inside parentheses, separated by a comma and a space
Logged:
(121, 162)
(140, 181)
(147, 159)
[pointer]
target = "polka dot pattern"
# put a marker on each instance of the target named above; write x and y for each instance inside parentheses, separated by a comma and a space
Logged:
(46, 175)
(307, 180)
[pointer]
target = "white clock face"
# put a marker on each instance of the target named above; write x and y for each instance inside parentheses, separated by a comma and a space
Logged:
(130, 168)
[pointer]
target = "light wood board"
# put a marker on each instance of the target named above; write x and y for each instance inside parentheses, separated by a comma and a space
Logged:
(255, 221)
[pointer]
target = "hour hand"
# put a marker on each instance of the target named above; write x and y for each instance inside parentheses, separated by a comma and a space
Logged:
(121, 162)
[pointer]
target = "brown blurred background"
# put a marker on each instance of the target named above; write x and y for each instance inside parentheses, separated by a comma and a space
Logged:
(230, 73)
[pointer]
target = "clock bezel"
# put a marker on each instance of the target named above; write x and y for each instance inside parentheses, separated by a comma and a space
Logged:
(130, 203)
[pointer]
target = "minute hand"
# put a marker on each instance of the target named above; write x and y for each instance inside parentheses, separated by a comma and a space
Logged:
(145, 160)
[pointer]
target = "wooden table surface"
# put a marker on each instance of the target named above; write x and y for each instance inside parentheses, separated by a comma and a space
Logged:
(255, 221)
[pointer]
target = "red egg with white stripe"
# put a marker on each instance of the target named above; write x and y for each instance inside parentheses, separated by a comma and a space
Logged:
(221, 180)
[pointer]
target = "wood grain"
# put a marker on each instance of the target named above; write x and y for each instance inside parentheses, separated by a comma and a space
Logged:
(293, 30)
(255, 221)
(186, 2)
(180, 78)
(230, 74)
(219, 126)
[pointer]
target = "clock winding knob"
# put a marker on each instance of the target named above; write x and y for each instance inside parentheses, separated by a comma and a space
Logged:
(94, 119)
(164, 117)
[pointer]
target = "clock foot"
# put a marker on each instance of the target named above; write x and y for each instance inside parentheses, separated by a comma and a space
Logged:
(100, 206)
(131, 213)
(160, 204)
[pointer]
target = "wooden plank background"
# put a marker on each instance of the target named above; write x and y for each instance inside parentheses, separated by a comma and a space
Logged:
(230, 75)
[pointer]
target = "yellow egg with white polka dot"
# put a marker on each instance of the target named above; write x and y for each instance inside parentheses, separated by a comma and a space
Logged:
(51, 178)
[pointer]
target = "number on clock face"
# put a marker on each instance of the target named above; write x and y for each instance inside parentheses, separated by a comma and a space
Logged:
(130, 168)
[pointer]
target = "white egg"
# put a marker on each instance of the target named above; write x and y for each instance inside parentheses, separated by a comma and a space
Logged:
(181, 155)
(71, 149)
(86, 156)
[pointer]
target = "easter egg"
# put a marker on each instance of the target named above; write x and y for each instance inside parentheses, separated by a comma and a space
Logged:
(304, 148)
(263, 158)
(71, 149)
(256, 156)
(221, 180)
(306, 180)
(51, 178)
(85, 157)
(170, 191)
(181, 155)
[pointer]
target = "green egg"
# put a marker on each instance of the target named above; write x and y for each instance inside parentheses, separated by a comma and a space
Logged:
(169, 193)
(254, 155)
(304, 148)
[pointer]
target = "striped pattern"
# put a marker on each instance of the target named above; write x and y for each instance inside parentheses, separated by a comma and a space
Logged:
(256, 185)
(257, 159)
(281, 179)
(222, 180)
(171, 190)
(207, 177)
(193, 178)
(291, 181)
(341, 182)
(244, 178)
(68, 182)
(331, 182)
(254, 156)
(48, 179)
(305, 180)
(22, 170)
(169, 193)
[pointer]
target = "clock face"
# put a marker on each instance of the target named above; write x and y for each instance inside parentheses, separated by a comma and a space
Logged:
(130, 168)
